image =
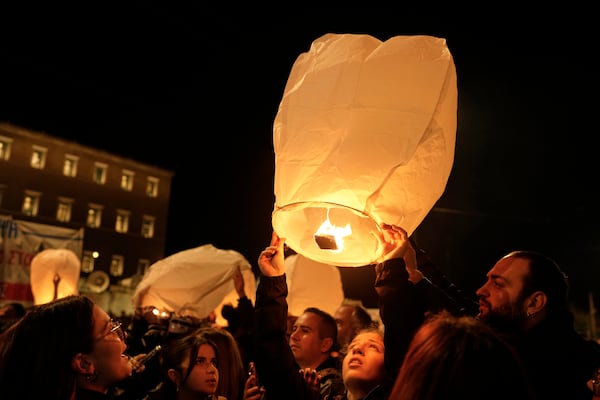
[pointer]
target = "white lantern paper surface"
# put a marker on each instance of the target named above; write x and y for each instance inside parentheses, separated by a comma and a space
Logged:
(312, 284)
(54, 275)
(364, 135)
(194, 282)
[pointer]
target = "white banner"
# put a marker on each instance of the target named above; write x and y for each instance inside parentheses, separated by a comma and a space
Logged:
(20, 241)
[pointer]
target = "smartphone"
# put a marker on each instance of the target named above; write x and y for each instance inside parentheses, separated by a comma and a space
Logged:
(252, 372)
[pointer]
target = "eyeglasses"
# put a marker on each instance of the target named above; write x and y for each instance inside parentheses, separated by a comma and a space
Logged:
(116, 328)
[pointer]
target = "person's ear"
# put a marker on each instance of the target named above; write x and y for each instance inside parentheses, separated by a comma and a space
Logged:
(81, 364)
(536, 303)
(326, 345)
(173, 376)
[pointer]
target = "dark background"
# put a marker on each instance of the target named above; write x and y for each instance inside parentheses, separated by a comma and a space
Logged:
(195, 89)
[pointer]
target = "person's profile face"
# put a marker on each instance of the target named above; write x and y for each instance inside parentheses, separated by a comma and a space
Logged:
(500, 296)
(305, 342)
(109, 348)
(343, 319)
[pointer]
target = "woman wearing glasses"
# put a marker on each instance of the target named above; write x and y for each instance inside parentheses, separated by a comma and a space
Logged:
(68, 349)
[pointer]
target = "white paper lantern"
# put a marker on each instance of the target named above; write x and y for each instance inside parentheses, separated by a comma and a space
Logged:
(364, 135)
(194, 282)
(54, 275)
(312, 284)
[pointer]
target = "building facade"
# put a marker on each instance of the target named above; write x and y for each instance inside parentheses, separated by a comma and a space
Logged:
(121, 204)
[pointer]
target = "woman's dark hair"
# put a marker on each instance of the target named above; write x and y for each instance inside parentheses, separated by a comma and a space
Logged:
(17, 310)
(454, 357)
(41, 346)
(175, 353)
(232, 371)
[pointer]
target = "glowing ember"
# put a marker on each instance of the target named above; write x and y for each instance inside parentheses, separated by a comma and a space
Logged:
(331, 237)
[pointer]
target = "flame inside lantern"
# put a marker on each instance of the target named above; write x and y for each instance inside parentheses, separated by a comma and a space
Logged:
(331, 237)
(332, 233)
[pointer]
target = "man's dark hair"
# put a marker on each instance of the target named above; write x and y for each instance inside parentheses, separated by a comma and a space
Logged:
(546, 276)
(327, 327)
(362, 316)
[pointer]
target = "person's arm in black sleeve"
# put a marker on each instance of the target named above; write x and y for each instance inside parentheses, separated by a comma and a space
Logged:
(399, 309)
(276, 367)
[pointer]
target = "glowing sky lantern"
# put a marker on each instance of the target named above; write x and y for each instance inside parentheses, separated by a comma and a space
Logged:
(311, 283)
(364, 135)
(54, 275)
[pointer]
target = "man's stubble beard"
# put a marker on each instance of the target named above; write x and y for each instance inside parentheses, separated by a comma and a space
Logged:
(508, 320)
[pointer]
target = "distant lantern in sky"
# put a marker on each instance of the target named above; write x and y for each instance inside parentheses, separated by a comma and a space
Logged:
(54, 275)
(364, 135)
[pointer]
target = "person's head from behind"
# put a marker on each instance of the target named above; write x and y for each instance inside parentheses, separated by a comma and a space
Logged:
(313, 337)
(351, 319)
(230, 314)
(232, 372)
(68, 342)
(522, 288)
(190, 367)
(459, 357)
(363, 365)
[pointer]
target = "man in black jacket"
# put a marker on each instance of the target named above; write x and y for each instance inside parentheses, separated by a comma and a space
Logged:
(525, 299)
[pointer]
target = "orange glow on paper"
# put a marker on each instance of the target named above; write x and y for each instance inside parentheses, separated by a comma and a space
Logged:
(54, 275)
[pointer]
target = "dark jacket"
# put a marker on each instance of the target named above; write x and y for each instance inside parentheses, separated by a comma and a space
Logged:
(276, 367)
(402, 308)
(558, 360)
(85, 394)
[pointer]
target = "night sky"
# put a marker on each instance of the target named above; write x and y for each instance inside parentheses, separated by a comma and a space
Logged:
(195, 90)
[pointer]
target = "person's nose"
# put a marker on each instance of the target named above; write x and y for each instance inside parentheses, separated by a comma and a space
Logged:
(482, 291)
(358, 350)
(294, 336)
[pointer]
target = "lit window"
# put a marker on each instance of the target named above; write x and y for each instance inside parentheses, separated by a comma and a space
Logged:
(152, 187)
(87, 261)
(148, 226)
(31, 203)
(122, 221)
(70, 165)
(63, 210)
(127, 180)
(100, 173)
(116, 265)
(38, 157)
(143, 265)
(94, 217)
(5, 145)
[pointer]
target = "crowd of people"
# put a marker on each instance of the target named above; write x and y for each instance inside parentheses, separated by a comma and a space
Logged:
(514, 339)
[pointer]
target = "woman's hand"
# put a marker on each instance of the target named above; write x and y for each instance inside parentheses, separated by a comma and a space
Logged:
(251, 389)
